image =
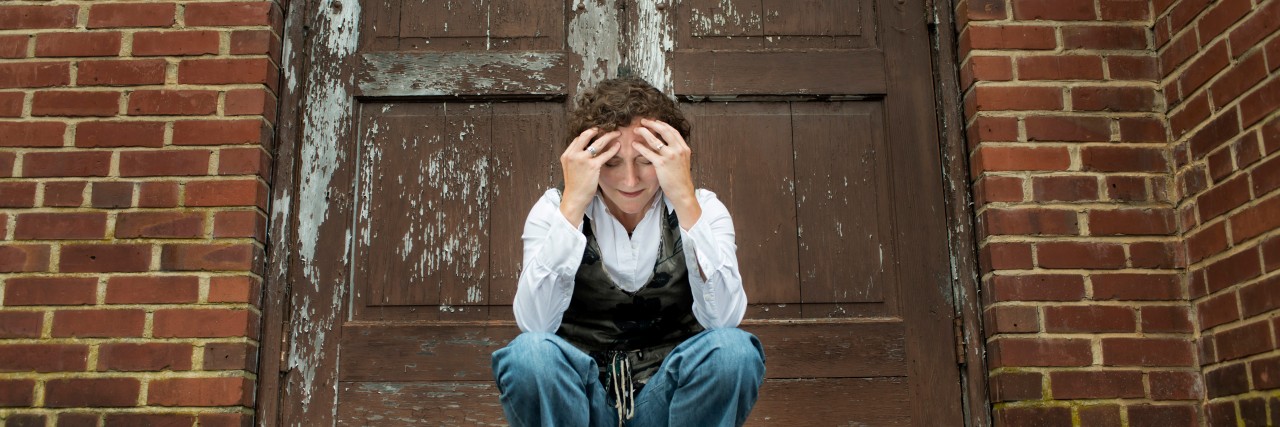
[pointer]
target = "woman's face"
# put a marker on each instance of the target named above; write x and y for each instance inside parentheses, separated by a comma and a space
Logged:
(628, 181)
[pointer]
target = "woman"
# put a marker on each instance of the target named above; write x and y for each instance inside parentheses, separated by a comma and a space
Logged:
(630, 293)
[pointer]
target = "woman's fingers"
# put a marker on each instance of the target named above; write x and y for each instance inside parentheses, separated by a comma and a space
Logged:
(601, 144)
(649, 137)
(668, 133)
(580, 143)
(601, 158)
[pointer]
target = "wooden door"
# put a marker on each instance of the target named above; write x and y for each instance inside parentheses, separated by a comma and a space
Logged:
(429, 128)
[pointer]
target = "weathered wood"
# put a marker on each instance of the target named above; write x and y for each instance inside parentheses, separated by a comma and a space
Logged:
(775, 25)
(743, 152)
(460, 352)
(464, 403)
(746, 73)
(407, 74)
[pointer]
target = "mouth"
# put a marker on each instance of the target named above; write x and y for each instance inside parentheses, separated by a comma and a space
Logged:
(631, 195)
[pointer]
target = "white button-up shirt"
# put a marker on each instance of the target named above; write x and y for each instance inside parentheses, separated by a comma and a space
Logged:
(553, 251)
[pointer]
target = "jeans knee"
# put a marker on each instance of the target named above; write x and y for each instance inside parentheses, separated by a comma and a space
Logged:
(735, 351)
(531, 354)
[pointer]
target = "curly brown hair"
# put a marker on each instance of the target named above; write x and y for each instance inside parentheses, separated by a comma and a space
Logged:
(614, 103)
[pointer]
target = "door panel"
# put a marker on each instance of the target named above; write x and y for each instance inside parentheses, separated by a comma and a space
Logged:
(445, 120)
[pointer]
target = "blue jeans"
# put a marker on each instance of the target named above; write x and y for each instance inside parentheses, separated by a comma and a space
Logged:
(711, 379)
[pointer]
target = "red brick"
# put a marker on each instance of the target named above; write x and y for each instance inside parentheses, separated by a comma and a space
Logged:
(208, 257)
(1139, 129)
(1271, 134)
(1174, 385)
(75, 103)
(239, 192)
(1118, 98)
(175, 43)
(7, 161)
(1096, 384)
(1203, 68)
(989, 189)
(1183, 12)
(1260, 103)
(226, 71)
(112, 194)
(1220, 164)
(1244, 341)
(1021, 37)
(1224, 197)
(1207, 241)
(32, 134)
(1160, 319)
(204, 323)
(144, 357)
(43, 358)
(17, 392)
(1227, 381)
(1133, 67)
(93, 258)
(1264, 21)
(225, 391)
(1139, 221)
(1163, 416)
(1026, 352)
(988, 129)
(21, 324)
(1147, 352)
(1219, 17)
(64, 193)
(14, 46)
(1100, 37)
(164, 163)
(60, 225)
(173, 102)
(1033, 416)
(250, 102)
(25, 420)
(1058, 128)
(1005, 256)
(1124, 10)
(1266, 373)
(17, 194)
(1099, 415)
(1007, 319)
(66, 164)
(1194, 112)
(1217, 310)
(152, 289)
(78, 44)
(1027, 10)
(985, 10)
(220, 132)
(255, 42)
(1238, 79)
(152, 224)
(1080, 255)
(245, 161)
(1110, 159)
(1261, 297)
(121, 72)
(11, 104)
(1136, 287)
(1233, 269)
(38, 16)
(149, 420)
(1254, 411)
(214, 419)
(1255, 220)
(1266, 177)
(229, 14)
(132, 15)
(1089, 319)
(1015, 386)
(1060, 67)
(20, 291)
(91, 392)
(24, 258)
(1028, 222)
(1037, 287)
(98, 323)
(1155, 255)
(240, 224)
(1178, 51)
(236, 289)
(119, 134)
(157, 194)
(1002, 98)
(231, 356)
(993, 159)
(34, 74)
(1065, 188)
(1247, 150)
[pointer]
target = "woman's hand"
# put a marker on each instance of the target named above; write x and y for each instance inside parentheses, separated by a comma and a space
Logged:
(581, 164)
(670, 155)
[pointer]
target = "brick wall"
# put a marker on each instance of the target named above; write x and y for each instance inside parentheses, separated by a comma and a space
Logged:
(1087, 318)
(134, 147)
(1218, 68)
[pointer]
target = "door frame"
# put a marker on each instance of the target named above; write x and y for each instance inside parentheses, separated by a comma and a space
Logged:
(962, 245)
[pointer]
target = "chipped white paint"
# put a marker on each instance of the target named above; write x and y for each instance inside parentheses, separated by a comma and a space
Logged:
(714, 21)
(326, 119)
(594, 35)
(451, 73)
(650, 45)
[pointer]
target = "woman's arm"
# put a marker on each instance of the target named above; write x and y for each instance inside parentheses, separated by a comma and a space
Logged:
(552, 252)
(711, 254)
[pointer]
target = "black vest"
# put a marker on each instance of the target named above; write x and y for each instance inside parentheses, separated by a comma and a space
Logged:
(607, 322)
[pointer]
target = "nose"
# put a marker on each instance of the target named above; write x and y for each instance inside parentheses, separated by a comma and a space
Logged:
(632, 175)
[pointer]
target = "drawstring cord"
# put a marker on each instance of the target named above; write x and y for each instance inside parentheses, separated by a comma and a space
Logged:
(623, 389)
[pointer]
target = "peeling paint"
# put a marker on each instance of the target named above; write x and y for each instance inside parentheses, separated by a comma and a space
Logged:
(594, 35)
(651, 42)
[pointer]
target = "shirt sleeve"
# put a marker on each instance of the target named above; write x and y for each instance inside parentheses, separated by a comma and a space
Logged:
(711, 255)
(552, 252)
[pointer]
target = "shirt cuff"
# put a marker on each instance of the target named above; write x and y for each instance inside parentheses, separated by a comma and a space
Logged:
(694, 239)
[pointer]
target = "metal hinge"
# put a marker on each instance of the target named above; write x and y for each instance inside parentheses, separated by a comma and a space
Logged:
(957, 327)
